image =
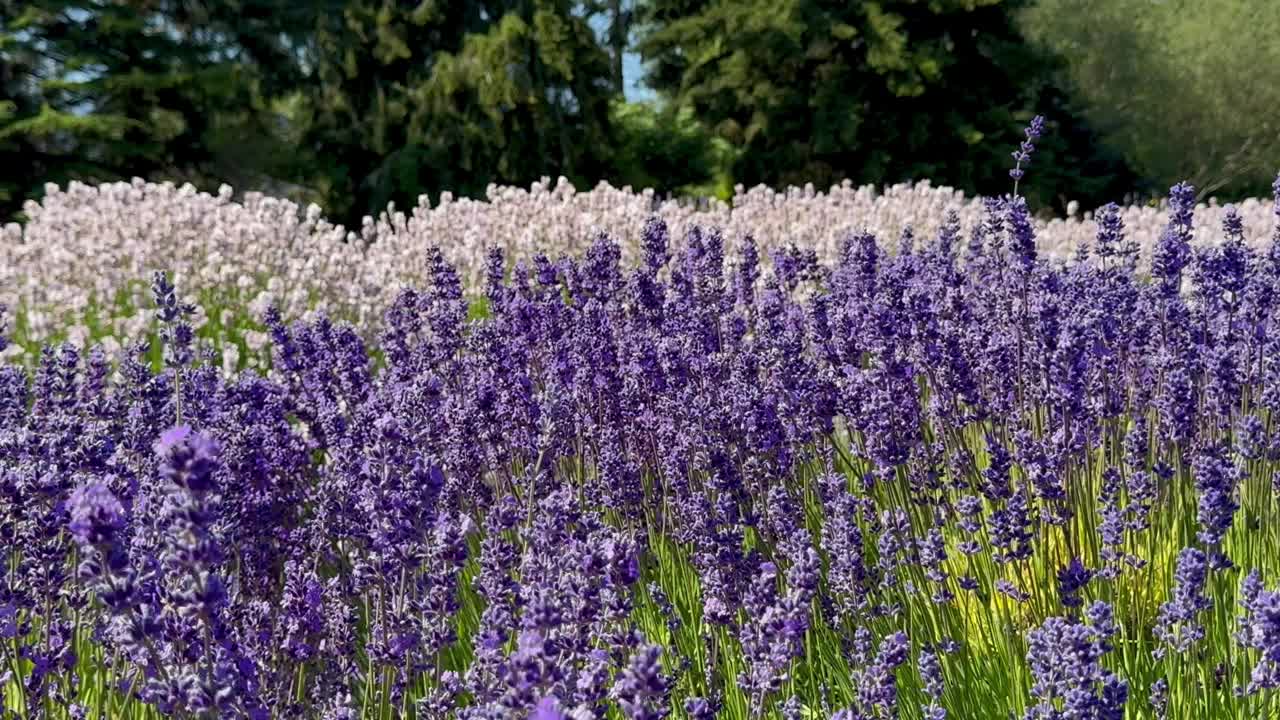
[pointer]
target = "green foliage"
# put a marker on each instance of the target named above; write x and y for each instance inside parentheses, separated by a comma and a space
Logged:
(667, 149)
(366, 59)
(422, 98)
(812, 91)
(351, 103)
(355, 103)
(1184, 90)
(527, 98)
(102, 91)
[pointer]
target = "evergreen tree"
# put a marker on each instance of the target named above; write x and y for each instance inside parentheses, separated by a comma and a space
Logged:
(818, 90)
(422, 97)
(98, 90)
(368, 61)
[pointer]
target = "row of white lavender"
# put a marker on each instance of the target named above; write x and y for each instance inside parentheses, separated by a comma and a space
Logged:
(86, 249)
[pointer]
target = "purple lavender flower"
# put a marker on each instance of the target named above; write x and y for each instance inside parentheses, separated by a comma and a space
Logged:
(1072, 578)
(1023, 154)
(1101, 617)
(642, 688)
(1251, 587)
(176, 332)
(1250, 437)
(1006, 587)
(791, 709)
(1142, 497)
(1172, 253)
(995, 476)
(96, 515)
(1263, 635)
(894, 544)
(842, 543)
(932, 551)
(1011, 529)
(931, 678)
(1159, 698)
(1065, 659)
(1215, 478)
(548, 708)
(700, 708)
(802, 435)
(877, 684)
(1021, 232)
(97, 520)
(1110, 237)
(1178, 626)
(767, 642)
(1112, 527)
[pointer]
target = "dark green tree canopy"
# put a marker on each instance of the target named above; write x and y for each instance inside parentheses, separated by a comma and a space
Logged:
(412, 98)
(1183, 90)
(101, 90)
(356, 103)
(818, 91)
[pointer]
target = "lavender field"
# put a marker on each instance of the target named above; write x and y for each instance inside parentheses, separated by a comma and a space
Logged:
(845, 455)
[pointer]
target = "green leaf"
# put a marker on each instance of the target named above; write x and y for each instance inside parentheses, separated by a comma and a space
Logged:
(844, 31)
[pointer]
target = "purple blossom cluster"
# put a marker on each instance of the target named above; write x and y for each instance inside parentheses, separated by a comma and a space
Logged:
(694, 487)
(1070, 681)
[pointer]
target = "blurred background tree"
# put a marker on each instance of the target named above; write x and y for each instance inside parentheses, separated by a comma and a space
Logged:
(364, 62)
(355, 103)
(165, 89)
(817, 91)
(665, 147)
(1181, 89)
(527, 97)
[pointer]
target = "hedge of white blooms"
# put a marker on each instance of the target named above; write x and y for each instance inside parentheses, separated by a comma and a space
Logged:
(80, 264)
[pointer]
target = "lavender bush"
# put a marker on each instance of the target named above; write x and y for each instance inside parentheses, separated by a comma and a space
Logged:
(958, 480)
